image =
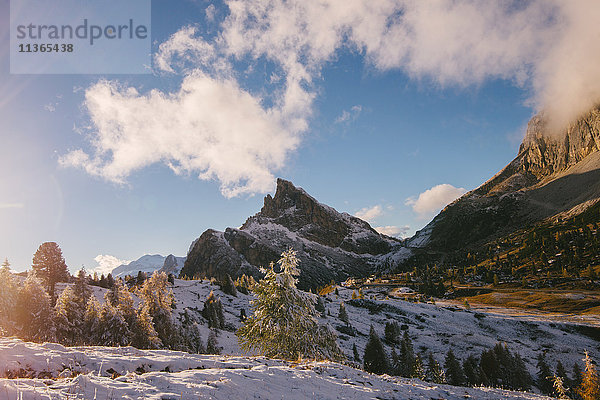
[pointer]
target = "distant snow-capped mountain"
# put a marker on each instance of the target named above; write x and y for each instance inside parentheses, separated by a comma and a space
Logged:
(150, 263)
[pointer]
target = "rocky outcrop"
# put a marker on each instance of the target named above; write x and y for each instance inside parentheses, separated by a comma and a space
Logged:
(330, 245)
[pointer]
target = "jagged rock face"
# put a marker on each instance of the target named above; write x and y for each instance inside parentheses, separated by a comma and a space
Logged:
(544, 155)
(552, 174)
(330, 245)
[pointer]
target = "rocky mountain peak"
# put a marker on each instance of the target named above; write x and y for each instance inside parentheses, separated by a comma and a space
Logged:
(543, 154)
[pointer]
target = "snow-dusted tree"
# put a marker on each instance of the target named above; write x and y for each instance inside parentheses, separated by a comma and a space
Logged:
(407, 357)
(49, 264)
(283, 324)
(590, 382)
(91, 322)
(68, 318)
(69, 311)
(157, 301)
(419, 369)
(33, 310)
(213, 311)
(114, 330)
(375, 360)
(227, 285)
(8, 298)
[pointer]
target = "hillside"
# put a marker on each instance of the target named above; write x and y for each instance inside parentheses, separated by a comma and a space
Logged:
(553, 179)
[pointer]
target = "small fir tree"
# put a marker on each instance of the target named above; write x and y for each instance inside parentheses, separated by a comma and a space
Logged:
(283, 324)
(375, 359)
(392, 332)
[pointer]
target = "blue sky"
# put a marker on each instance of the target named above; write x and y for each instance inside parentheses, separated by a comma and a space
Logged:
(372, 121)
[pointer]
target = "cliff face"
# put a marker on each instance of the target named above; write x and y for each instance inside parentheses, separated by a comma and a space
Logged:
(330, 245)
(551, 175)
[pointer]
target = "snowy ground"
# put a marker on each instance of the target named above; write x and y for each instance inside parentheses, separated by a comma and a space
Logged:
(174, 375)
(432, 327)
(110, 373)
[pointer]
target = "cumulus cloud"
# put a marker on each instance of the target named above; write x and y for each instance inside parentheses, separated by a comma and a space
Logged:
(369, 213)
(106, 263)
(210, 126)
(214, 127)
(433, 200)
(394, 231)
(349, 115)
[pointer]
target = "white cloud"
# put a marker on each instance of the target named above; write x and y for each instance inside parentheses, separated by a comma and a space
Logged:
(211, 12)
(210, 127)
(369, 213)
(11, 205)
(50, 107)
(214, 127)
(392, 230)
(433, 200)
(350, 115)
(106, 263)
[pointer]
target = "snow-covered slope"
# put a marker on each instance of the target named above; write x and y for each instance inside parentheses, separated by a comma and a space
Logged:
(149, 263)
(128, 373)
(432, 328)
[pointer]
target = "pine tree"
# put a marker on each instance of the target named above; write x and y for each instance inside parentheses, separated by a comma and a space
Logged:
(212, 344)
(49, 265)
(342, 314)
(157, 300)
(407, 357)
(590, 382)
(544, 377)
(434, 372)
(34, 311)
(471, 370)
(68, 317)
(521, 379)
(454, 373)
(283, 323)
(213, 311)
(8, 299)
(391, 332)
(355, 353)
(375, 359)
(143, 334)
